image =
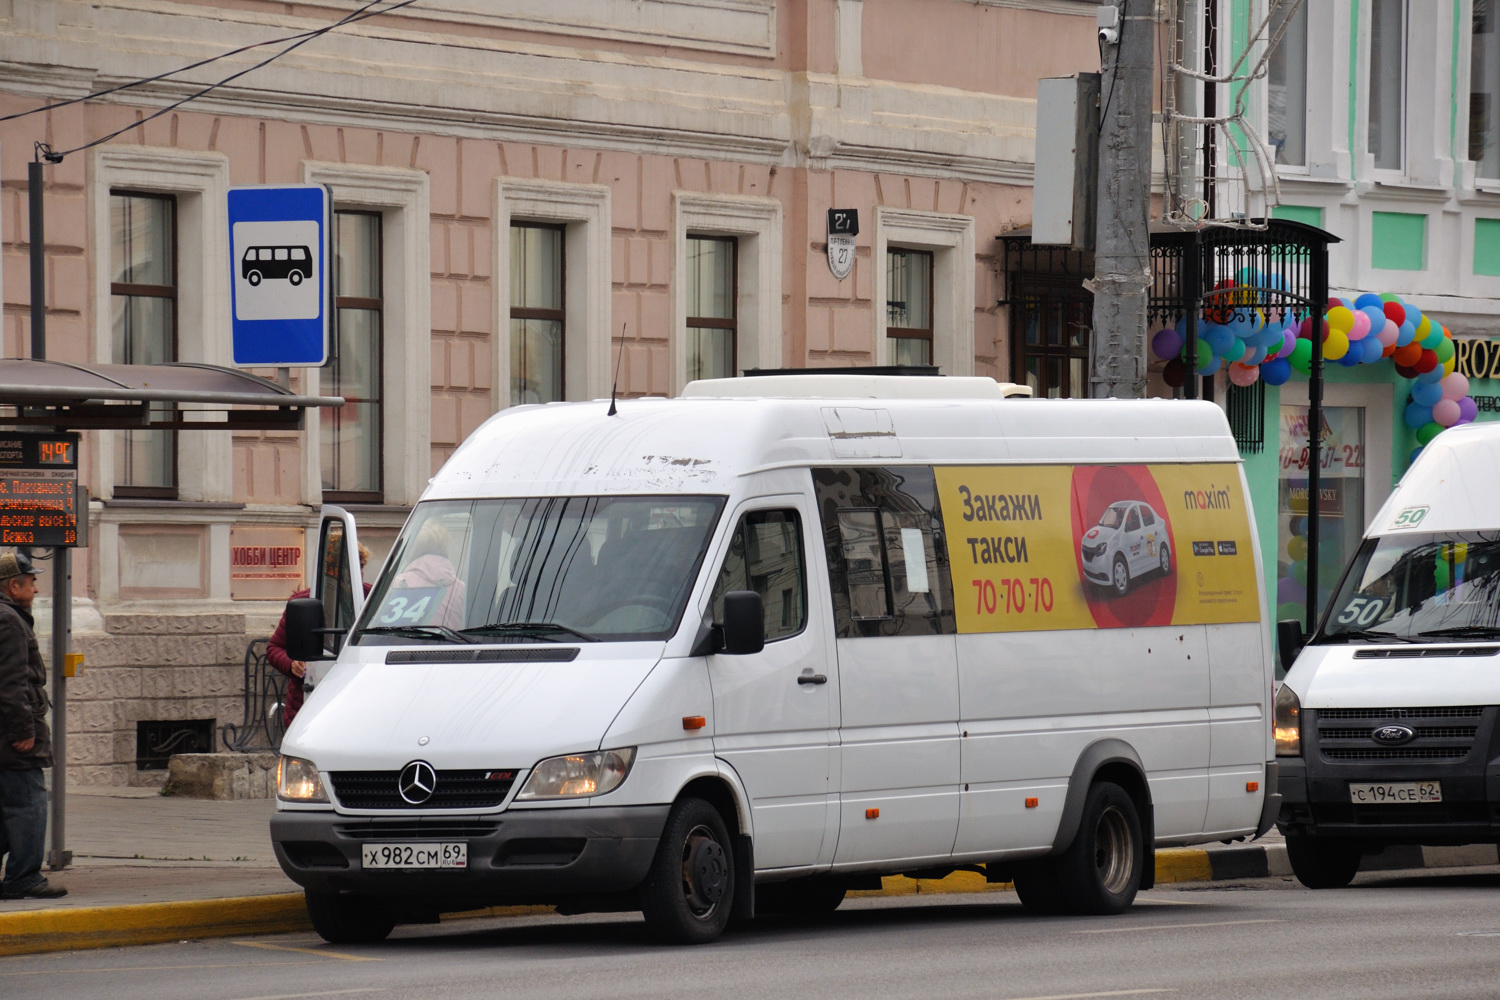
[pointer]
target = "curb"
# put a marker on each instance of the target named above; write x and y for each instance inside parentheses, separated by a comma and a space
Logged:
(31, 932)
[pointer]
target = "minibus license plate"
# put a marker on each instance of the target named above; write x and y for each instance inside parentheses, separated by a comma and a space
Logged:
(1379, 793)
(415, 855)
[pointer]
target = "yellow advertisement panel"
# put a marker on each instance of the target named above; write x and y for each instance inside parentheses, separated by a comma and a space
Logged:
(1119, 546)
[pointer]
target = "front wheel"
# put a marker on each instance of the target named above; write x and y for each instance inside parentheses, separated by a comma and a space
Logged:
(348, 919)
(254, 278)
(1322, 862)
(1120, 577)
(689, 892)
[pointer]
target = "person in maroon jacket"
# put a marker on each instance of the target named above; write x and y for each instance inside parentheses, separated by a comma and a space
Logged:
(295, 670)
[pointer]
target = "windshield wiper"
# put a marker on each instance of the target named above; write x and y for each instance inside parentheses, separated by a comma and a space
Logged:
(1364, 633)
(538, 628)
(1463, 632)
(419, 632)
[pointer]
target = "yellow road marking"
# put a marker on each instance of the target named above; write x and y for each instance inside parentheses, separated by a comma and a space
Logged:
(1177, 927)
(153, 968)
(321, 953)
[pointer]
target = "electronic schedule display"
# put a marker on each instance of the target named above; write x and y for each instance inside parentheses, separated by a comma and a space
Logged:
(38, 489)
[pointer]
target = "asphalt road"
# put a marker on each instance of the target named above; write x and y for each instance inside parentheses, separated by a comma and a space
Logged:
(1398, 935)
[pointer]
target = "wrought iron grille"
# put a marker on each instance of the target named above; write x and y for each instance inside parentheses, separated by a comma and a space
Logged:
(1050, 316)
(262, 727)
(1246, 406)
(156, 740)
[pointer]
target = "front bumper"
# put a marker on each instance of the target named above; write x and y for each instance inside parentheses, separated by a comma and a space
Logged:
(522, 856)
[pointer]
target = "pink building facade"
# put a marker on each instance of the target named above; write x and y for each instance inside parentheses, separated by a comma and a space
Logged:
(526, 190)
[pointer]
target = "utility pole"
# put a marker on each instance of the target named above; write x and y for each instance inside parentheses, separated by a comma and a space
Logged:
(1122, 266)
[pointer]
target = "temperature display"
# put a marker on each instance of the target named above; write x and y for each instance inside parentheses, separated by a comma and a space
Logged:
(57, 453)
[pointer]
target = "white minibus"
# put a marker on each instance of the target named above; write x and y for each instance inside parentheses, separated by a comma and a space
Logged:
(760, 645)
(1386, 724)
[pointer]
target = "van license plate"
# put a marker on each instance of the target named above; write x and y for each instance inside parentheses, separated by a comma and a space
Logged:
(414, 855)
(1380, 793)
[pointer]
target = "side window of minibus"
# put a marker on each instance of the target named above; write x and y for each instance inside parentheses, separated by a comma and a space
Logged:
(766, 555)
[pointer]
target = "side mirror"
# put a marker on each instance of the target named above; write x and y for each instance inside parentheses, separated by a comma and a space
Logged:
(744, 623)
(1289, 642)
(304, 629)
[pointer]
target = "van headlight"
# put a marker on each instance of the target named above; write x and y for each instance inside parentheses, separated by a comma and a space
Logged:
(1288, 723)
(297, 781)
(578, 774)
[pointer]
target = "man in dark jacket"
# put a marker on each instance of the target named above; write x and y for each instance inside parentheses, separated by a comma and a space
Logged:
(25, 741)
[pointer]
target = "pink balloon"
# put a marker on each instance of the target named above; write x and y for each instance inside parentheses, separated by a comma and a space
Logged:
(1445, 412)
(1455, 386)
(1243, 375)
(1388, 334)
(1249, 353)
(1361, 327)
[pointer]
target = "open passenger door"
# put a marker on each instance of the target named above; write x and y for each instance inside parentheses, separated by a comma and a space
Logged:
(337, 580)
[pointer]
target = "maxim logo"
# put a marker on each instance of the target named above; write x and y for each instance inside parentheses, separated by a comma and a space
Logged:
(1212, 498)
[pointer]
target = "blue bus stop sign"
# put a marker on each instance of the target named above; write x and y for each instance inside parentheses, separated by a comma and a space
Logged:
(280, 284)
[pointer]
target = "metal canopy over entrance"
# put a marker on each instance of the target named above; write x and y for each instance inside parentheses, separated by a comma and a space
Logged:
(92, 397)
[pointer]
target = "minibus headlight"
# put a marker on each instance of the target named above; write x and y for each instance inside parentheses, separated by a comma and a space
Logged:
(1288, 723)
(578, 774)
(297, 781)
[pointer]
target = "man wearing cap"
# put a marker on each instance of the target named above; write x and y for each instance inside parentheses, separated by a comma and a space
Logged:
(25, 741)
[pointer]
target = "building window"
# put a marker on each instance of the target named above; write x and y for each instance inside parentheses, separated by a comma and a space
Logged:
(352, 433)
(1286, 87)
(1484, 90)
(536, 313)
(1387, 82)
(143, 307)
(908, 290)
(712, 266)
(1055, 317)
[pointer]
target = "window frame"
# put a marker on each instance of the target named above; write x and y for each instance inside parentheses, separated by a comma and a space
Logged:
(1403, 94)
(560, 316)
(802, 550)
(1064, 293)
(170, 293)
(732, 324)
(911, 332)
(377, 305)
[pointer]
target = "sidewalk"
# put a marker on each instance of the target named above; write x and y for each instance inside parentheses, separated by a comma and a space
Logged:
(150, 869)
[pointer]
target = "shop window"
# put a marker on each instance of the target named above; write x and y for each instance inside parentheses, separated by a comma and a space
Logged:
(143, 308)
(352, 435)
(712, 327)
(766, 556)
(1286, 86)
(908, 291)
(1484, 90)
(537, 331)
(1387, 83)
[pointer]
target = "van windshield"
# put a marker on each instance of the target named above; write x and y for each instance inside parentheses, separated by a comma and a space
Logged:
(1419, 588)
(554, 569)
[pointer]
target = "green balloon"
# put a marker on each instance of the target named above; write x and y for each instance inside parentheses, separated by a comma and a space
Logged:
(1301, 358)
(1287, 610)
(1389, 297)
(1298, 571)
(1204, 354)
(1442, 575)
(1444, 349)
(1428, 431)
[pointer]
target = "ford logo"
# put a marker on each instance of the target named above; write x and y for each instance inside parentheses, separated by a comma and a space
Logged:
(1393, 736)
(417, 782)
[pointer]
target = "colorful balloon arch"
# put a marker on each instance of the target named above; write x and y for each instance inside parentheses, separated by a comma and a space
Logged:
(1268, 342)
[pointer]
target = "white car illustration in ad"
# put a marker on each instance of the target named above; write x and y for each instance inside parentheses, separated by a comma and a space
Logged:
(1129, 542)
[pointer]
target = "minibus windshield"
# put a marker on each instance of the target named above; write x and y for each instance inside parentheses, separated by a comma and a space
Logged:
(1419, 588)
(552, 569)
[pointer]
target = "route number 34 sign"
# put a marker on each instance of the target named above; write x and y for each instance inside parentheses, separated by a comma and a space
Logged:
(843, 226)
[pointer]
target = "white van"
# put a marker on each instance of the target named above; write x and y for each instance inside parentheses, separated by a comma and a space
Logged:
(724, 653)
(1386, 724)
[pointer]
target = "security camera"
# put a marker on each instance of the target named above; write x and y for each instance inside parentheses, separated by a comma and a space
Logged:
(1107, 18)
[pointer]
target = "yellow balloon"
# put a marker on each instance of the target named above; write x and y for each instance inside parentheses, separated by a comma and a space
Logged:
(1336, 346)
(1424, 328)
(1342, 319)
(1450, 364)
(1296, 547)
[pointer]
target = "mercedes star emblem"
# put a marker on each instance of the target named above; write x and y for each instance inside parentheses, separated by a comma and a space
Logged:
(416, 782)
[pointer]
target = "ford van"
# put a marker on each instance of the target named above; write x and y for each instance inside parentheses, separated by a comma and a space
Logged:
(755, 647)
(1386, 724)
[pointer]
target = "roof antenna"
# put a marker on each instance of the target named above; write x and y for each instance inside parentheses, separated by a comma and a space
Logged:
(615, 387)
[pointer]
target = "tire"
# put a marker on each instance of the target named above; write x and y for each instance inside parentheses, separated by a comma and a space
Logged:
(1120, 576)
(1100, 872)
(806, 897)
(1322, 862)
(348, 919)
(254, 278)
(295, 278)
(1036, 884)
(689, 891)
(1164, 556)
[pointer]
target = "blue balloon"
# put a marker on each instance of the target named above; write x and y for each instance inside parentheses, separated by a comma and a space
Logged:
(1368, 299)
(1239, 324)
(1377, 318)
(1258, 356)
(1352, 357)
(1346, 303)
(1414, 453)
(1276, 372)
(1211, 365)
(1413, 314)
(1426, 393)
(1406, 333)
(1436, 375)
(1218, 337)
(1417, 415)
(1181, 327)
(1373, 349)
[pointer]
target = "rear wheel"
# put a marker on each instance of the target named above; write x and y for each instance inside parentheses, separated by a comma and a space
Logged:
(348, 919)
(1100, 872)
(689, 892)
(1165, 557)
(295, 277)
(806, 897)
(1322, 862)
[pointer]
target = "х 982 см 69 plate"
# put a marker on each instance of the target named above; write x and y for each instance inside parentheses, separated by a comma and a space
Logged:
(414, 855)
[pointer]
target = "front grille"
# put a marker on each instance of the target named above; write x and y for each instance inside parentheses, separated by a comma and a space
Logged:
(440, 829)
(1405, 753)
(1460, 712)
(453, 790)
(1423, 732)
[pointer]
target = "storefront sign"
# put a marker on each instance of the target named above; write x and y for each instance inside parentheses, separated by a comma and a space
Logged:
(265, 563)
(1477, 358)
(39, 489)
(1057, 547)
